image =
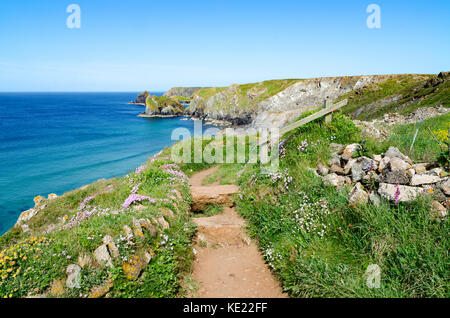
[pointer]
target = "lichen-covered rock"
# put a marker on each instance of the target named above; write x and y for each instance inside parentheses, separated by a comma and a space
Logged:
(57, 288)
(349, 151)
(133, 267)
(334, 180)
(358, 195)
(102, 256)
(405, 193)
(335, 160)
(146, 224)
(395, 177)
(336, 149)
(137, 229)
(337, 169)
(100, 291)
(445, 186)
(393, 152)
(84, 260)
(109, 241)
(397, 164)
(438, 210)
(424, 178)
(163, 223)
(420, 167)
(73, 272)
(322, 170)
(168, 213)
(383, 164)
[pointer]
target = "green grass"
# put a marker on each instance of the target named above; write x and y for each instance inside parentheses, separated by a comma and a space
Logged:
(31, 261)
(212, 209)
(287, 219)
(227, 173)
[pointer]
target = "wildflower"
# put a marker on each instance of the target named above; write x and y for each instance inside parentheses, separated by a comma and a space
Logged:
(397, 194)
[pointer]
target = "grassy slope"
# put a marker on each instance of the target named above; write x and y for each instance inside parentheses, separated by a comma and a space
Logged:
(25, 267)
(318, 245)
(288, 220)
(409, 91)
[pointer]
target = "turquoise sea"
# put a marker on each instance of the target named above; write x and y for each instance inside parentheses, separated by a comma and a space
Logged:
(56, 142)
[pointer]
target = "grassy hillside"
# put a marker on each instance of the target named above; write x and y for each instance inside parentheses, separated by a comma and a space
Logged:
(319, 245)
(401, 95)
(73, 226)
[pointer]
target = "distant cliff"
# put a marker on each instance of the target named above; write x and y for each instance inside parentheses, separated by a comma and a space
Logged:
(187, 92)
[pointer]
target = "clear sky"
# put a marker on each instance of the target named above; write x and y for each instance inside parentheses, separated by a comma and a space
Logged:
(132, 45)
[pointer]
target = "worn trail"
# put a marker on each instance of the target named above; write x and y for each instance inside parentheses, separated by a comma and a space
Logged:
(228, 263)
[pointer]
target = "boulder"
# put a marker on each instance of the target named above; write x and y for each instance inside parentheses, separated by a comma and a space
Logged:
(393, 152)
(420, 167)
(168, 213)
(406, 193)
(163, 223)
(358, 195)
(109, 241)
(334, 180)
(137, 229)
(57, 287)
(73, 272)
(377, 158)
(84, 260)
(322, 170)
(375, 198)
(397, 164)
(348, 166)
(102, 256)
(445, 186)
(337, 169)
(383, 164)
(438, 210)
(424, 178)
(146, 224)
(336, 148)
(349, 151)
(133, 267)
(395, 177)
(100, 291)
(335, 160)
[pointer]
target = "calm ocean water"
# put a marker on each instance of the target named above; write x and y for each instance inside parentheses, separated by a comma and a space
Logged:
(56, 142)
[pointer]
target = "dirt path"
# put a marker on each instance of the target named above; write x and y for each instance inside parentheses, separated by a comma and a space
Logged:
(228, 263)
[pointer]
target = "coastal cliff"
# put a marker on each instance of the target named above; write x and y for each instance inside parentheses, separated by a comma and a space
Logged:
(275, 103)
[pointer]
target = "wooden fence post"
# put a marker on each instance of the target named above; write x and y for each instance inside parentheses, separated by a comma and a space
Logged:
(328, 117)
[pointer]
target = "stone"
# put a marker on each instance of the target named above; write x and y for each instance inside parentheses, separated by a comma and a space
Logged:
(113, 250)
(73, 272)
(337, 169)
(349, 151)
(377, 158)
(137, 229)
(396, 177)
(202, 196)
(133, 267)
(397, 164)
(436, 172)
(348, 180)
(100, 291)
(84, 260)
(445, 187)
(370, 176)
(148, 256)
(424, 178)
(102, 256)
(348, 166)
(336, 148)
(322, 170)
(406, 193)
(375, 198)
(438, 210)
(128, 231)
(57, 287)
(335, 160)
(393, 152)
(163, 223)
(411, 172)
(447, 203)
(383, 164)
(420, 167)
(146, 224)
(334, 180)
(168, 213)
(358, 195)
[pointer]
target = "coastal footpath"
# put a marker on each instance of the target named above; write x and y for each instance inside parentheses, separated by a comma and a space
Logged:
(353, 198)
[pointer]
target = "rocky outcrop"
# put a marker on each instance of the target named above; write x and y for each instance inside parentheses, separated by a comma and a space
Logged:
(392, 175)
(273, 103)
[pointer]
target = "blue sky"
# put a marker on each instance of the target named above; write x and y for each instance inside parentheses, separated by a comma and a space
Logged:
(134, 45)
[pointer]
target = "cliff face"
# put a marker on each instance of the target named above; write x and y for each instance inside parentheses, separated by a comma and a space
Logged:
(187, 92)
(278, 102)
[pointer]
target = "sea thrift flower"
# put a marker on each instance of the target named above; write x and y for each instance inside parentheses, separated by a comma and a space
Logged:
(136, 198)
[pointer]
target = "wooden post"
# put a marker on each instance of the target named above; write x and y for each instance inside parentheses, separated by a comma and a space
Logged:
(328, 117)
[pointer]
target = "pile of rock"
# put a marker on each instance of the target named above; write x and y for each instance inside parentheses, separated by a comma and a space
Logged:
(393, 174)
